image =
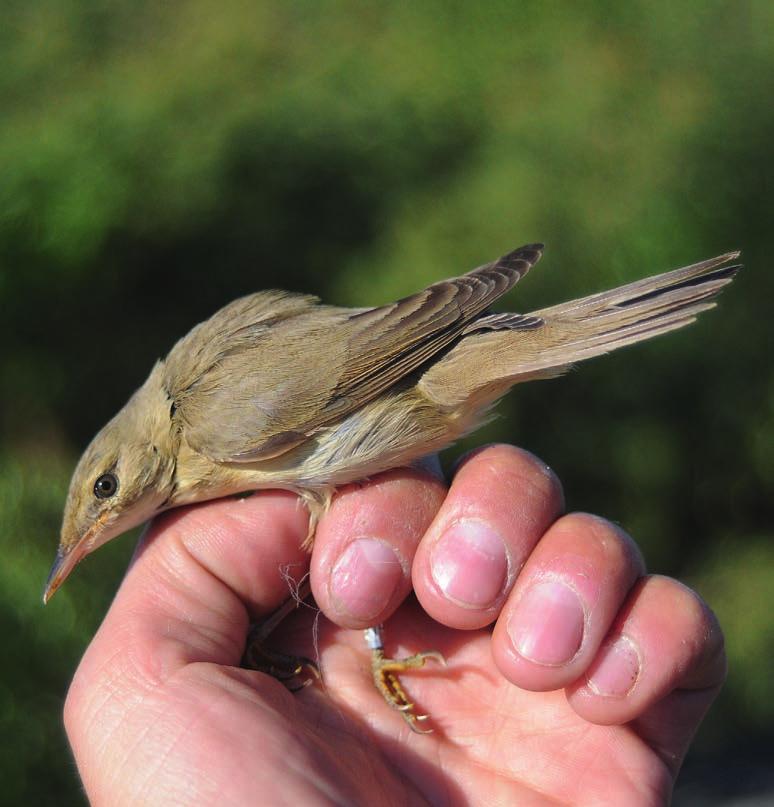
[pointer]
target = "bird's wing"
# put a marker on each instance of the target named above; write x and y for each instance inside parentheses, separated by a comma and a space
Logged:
(258, 397)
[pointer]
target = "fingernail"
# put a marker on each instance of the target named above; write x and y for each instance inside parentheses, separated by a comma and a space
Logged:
(365, 577)
(547, 624)
(469, 564)
(616, 669)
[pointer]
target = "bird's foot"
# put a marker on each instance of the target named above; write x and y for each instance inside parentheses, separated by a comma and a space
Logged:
(296, 672)
(385, 674)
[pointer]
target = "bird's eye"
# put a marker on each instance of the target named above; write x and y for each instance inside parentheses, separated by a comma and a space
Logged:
(106, 486)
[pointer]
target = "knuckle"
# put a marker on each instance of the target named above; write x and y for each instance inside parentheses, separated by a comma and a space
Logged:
(516, 469)
(615, 544)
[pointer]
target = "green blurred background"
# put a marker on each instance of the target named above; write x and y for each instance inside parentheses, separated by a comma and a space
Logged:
(159, 159)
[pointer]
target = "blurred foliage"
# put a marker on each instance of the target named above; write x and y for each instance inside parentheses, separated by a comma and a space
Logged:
(159, 159)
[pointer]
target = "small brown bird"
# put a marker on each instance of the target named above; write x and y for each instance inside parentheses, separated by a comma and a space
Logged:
(278, 391)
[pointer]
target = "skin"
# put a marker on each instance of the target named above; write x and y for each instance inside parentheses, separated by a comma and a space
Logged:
(160, 713)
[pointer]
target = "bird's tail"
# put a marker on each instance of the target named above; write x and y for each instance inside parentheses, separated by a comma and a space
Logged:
(499, 350)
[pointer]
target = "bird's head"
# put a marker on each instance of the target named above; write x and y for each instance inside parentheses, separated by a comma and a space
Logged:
(124, 477)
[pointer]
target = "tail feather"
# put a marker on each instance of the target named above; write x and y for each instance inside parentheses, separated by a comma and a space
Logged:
(603, 322)
(640, 290)
(501, 349)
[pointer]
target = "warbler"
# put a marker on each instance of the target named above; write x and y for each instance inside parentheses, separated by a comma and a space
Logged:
(277, 390)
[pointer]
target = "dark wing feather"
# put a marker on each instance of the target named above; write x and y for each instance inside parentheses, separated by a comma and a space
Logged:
(389, 342)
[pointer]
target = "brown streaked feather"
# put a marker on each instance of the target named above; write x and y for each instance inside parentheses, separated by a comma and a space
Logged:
(240, 414)
(390, 342)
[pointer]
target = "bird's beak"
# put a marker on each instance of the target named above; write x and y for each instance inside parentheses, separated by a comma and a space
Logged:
(66, 560)
(105, 526)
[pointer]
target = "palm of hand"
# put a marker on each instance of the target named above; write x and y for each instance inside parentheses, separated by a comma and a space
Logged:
(492, 743)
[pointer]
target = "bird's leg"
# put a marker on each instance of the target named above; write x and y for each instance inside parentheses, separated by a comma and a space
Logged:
(385, 670)
(281, 666)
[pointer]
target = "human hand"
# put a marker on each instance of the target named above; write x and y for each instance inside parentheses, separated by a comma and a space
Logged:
(159, 711)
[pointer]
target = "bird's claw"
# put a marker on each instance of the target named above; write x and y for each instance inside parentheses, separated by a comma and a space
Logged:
(281, 666)
(385, 670)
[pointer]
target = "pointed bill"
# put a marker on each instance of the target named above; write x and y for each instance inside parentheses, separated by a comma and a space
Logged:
(66, 560)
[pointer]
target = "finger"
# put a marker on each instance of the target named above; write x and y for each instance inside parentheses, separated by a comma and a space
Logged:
(365, 545)
(662, 664)
(500, 503)
(564, 602)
